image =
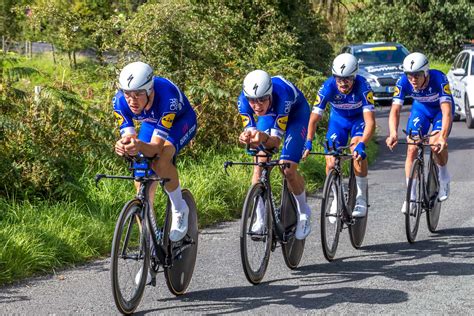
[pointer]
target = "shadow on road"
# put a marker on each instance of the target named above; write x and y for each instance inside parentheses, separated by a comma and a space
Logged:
(399, 261)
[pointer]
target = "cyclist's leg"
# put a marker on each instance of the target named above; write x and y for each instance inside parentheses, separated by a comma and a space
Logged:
(183, 130)
(264, 124)
(291, 153)
(441, 158)
(360, 170)
(418, 121)
(337, 135)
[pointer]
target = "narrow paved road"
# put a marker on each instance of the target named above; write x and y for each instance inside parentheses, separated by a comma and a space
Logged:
(387, 275)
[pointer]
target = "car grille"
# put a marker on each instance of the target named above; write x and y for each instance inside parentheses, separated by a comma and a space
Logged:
(387, 81)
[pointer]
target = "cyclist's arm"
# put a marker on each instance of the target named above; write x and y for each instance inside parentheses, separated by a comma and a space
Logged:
(394, 119)
(447, 119)
(268, 141)
(151, 149)
(369, 119)
(312, 125)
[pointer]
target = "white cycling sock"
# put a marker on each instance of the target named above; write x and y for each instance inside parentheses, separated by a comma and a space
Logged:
(334, 192)
(303, 207)
(362, 183)
(443, 173)
(260, 210)
(413, 188)
(176, 198)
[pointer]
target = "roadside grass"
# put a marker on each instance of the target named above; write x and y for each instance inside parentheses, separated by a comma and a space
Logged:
(41, 236)
(440, 65)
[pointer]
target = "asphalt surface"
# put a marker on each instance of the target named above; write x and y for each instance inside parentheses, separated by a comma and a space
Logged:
(387, 275)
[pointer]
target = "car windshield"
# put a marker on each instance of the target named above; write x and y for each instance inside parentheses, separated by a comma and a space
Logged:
(381, 55)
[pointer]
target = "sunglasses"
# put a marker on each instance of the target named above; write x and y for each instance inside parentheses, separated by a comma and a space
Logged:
(258, 100)
(134, 93)
(416, 75)
(344, 79)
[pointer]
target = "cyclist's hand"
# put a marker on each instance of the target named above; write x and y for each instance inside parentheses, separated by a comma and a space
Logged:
(441, 144)
(120, 145)
(257, 137)
(244, 137)
(359, 152)
(392, 141)
(308, 147)
(132, 147)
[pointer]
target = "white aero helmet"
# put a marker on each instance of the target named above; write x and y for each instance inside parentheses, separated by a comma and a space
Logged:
(345, 65)
(257, 84)
(136, 76)
(416, 62)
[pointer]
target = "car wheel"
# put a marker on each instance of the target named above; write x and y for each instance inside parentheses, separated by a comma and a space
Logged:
(469, 121)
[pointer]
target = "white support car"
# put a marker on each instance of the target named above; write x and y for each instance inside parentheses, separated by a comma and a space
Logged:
(461, 80)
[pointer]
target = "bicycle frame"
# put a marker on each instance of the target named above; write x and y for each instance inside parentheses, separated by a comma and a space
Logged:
(281, 233)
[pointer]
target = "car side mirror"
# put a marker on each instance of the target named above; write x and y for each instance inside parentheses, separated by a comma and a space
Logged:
(459, 72)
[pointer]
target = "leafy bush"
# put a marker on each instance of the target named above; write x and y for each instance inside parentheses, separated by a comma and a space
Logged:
(435, 27)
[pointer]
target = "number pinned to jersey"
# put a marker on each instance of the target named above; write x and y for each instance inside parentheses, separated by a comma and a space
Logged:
(281, 122)
(119, 118)
(245, 120)
(167, 120)
(318, 100)
(370, 97)
(446, 89)
(396, 91)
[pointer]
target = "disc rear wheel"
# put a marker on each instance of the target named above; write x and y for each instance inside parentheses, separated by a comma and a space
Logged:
(184, 252)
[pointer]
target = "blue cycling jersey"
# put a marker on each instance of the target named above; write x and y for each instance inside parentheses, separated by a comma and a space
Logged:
(288, 104)
(436, 92)
(353, 104)
(169, 105)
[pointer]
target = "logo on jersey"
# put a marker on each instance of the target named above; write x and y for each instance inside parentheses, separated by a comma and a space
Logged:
(167, 120)
(281, 122)
(370, 97)
(416, 121)
(245, 120)
(446, 89)
(119, 118)
(318, 100)
(175, 105)
(396, 91)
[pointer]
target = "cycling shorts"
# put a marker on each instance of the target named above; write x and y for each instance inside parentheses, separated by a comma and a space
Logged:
(422, 117)
(295, 136)
(341, 127)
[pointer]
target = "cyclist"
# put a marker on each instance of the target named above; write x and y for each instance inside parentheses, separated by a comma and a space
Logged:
(432, 104)
(352, 113)
(168, 123)
(280, 110)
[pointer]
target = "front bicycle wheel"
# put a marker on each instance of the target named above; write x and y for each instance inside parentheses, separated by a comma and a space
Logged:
(330, 221)
(293, 248)
(414, 206)
(178, 276)
(255, 246)
(130, 257)
(432, 187)
(358, 228)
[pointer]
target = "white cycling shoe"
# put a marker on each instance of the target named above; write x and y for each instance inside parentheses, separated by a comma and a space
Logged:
(139, 276)
(258, 227)
(443, 193)
(360, 208)
(333, 212)
(179, 223)
(404, 206)
(303, 227)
